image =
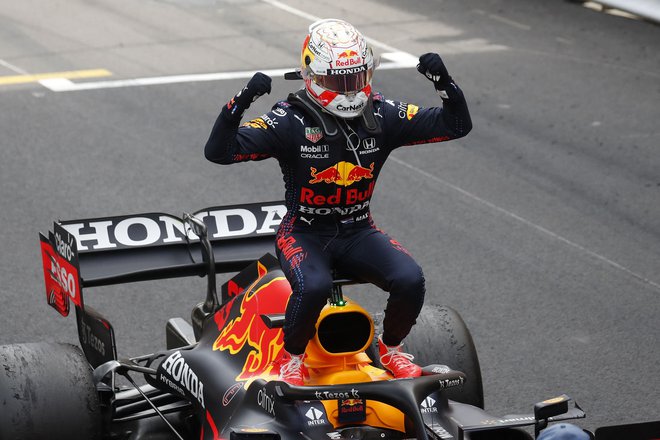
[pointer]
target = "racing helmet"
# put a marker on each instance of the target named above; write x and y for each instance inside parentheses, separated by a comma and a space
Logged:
(337, 65)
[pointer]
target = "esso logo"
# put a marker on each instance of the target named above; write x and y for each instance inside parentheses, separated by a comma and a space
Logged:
(64, 278)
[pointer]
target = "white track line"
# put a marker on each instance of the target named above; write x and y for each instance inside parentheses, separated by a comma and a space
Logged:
(64, 85)
(13, 68)
(292, 10)
(401, 60)
(303, 14)
(539, 228)
(510, 22)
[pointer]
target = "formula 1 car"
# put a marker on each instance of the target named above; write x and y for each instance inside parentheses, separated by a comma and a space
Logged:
(216, 378)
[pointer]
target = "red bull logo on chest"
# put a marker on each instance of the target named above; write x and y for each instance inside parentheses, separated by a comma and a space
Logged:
(342, 174)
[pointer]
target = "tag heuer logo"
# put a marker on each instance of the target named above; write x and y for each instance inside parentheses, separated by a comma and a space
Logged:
(314, 134)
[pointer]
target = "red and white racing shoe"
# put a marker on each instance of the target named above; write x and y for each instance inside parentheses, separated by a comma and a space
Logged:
(292, 368)
(397, 362)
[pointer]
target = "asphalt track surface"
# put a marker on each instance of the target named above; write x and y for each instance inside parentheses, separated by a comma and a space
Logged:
(542, 227)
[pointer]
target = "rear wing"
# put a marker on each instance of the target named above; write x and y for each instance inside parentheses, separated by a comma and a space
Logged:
(110, 250)
(129, 248)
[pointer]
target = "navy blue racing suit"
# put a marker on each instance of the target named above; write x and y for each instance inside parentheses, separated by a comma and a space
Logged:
(329, 180)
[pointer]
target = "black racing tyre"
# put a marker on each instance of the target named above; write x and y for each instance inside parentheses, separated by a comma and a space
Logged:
(46, 391)
(440, 336)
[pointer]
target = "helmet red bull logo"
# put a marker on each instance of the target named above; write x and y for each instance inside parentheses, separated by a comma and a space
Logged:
(347, 54)
(348, 58)
(342, 173)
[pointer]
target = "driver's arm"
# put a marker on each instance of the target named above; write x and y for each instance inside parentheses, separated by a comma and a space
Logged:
(255, 140)
(409, 125)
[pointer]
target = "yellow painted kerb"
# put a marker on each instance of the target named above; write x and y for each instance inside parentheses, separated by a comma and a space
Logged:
(73, 74)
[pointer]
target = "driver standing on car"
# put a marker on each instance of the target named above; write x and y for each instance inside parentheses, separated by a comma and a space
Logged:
(331, 139)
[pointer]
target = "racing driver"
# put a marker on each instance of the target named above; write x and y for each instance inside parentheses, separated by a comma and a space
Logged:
(331, 139)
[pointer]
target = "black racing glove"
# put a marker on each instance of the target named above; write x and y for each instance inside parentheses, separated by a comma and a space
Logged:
(431, 66)
(258, 85)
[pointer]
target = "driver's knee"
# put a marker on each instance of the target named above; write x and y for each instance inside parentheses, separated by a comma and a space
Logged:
(408, 281)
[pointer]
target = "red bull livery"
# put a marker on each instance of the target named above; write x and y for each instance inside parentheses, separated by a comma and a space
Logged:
(216, 376)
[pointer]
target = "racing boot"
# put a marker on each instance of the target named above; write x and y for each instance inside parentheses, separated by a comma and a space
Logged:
(397, 362)
(292, 368)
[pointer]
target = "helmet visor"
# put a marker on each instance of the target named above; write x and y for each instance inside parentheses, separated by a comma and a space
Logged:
(348, 80)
